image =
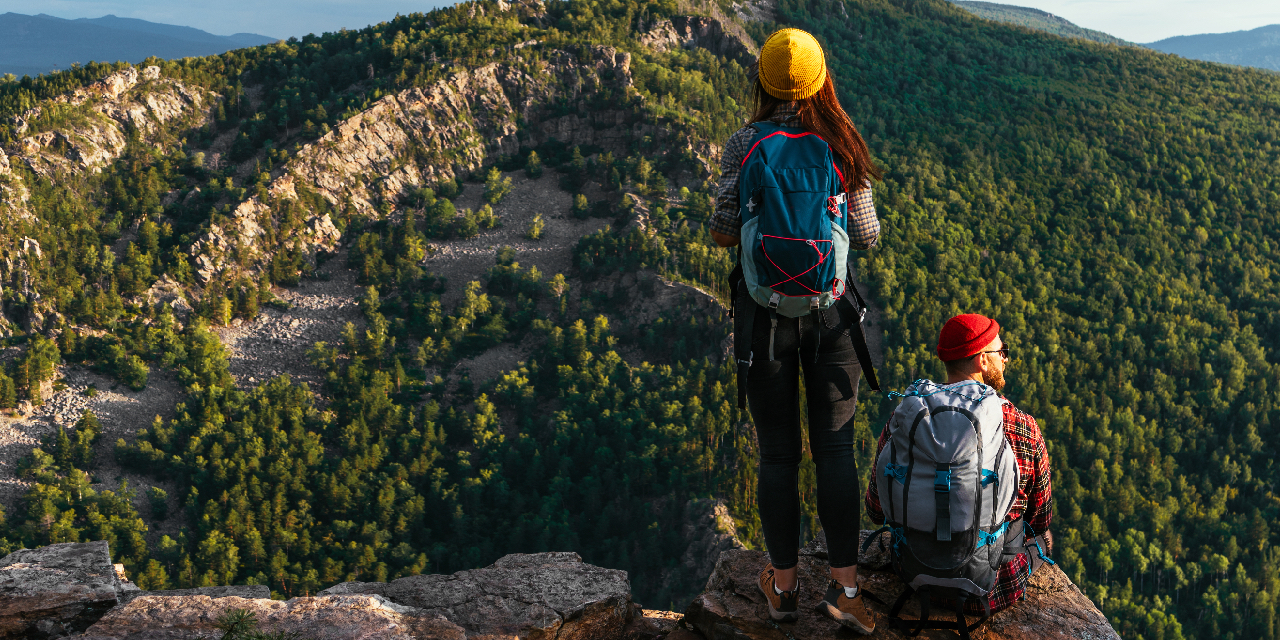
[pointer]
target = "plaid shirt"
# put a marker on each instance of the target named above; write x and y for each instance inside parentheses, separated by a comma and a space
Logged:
(1033, 503)
(863, 227)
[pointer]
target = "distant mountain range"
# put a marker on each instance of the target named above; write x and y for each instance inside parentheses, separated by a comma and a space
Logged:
(31, 45)
(1256, 48)
(1036, 19)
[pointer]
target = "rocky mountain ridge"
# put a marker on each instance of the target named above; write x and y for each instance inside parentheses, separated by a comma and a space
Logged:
(418, 138)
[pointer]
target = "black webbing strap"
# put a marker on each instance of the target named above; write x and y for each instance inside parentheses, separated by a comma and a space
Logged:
(815, 322)
(743, 330)
(942, 500)
(961, 623)
(913, 628)
(860, 338)
(773, 323)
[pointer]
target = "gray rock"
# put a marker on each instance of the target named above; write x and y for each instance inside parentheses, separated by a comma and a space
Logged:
(543, 595)
(261, 592)
(321, 618)
(56, 590)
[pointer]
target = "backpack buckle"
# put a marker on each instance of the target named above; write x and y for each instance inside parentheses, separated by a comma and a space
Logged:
(813, 303)
(834, 202)
(942, 480)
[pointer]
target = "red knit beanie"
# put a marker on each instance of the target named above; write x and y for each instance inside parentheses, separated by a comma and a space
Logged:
(965, 335)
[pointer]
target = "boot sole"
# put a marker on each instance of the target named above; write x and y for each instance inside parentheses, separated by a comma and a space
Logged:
(847, 621)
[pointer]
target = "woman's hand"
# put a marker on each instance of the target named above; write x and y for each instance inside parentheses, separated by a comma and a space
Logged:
(724, 240)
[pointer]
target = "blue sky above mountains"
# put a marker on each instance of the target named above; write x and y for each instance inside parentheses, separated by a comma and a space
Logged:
(1133, 20)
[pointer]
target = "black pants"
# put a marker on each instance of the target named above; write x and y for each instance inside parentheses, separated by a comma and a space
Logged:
(831, 394)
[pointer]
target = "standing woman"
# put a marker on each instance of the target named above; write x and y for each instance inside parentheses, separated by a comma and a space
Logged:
(796, 105)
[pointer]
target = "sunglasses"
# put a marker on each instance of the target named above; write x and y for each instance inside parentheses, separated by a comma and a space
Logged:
(1004, 353)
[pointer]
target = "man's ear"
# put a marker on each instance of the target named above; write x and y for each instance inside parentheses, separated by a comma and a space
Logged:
(985, 365)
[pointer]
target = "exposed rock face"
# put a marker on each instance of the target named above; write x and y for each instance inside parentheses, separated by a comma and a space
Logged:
(420, 137)
(708, 532)
(323, 618)
(542, 595)
(95, 135)
(252, 223)
(13, 193)
(732, 606)
(56, 590)
(168, 291)
(699, 31)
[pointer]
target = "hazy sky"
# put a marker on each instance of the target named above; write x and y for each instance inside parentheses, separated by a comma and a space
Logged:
(1133, 20)
(1151, 20)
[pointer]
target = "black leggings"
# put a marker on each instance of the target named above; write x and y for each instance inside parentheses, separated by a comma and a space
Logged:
(831, 393)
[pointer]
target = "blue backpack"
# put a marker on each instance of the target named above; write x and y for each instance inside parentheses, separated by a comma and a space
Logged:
(794, 250)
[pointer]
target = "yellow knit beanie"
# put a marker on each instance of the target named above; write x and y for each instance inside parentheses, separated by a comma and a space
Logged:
(792, 66)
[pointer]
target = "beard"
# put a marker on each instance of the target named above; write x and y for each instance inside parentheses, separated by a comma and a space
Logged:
(995, 379)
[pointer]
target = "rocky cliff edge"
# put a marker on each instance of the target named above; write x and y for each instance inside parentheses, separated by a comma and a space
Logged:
(73, 590)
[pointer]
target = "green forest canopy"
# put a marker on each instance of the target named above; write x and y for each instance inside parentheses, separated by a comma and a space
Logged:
(1114, 208)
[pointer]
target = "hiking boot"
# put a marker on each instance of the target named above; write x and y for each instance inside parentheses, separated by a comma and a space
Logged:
(783, 607)
(851, 613)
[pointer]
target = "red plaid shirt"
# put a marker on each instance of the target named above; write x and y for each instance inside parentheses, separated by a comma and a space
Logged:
(1033, 503)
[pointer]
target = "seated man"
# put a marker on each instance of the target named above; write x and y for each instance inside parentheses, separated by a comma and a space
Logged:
(971, 347)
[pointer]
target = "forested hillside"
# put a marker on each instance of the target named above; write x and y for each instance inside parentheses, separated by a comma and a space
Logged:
(1035, 19)
(1113, 207)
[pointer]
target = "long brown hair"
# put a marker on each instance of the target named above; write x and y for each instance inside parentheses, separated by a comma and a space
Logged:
(822, 114)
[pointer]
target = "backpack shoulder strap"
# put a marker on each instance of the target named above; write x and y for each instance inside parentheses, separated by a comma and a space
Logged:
(858, 335)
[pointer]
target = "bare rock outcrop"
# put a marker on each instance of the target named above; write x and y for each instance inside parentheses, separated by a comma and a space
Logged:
(732, 606)
(56, 590)
(541, 595)
(93, 120)
(689, 32)
(168, 291)
(66, 589)
(339, 617)
(708, 532)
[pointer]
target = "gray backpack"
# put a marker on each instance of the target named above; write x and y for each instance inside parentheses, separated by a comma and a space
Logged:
(947, 478)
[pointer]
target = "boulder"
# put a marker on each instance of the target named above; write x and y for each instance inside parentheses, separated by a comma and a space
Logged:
(166, 290)
(56, 590)
(320, 618)
(733, 607)
(540, 595)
